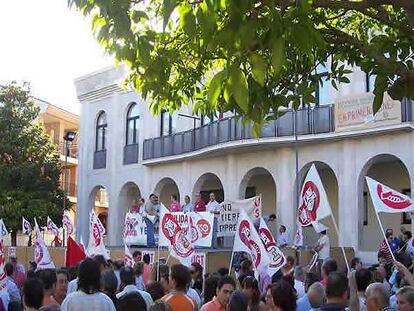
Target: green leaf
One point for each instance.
(214, 89)
(239, 89)
(138, 15)
(187, 18)
(278, 55)
(380, 87)
(259, 68)
(168, 6)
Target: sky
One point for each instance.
(48, 45)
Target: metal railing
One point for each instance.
(308, 121)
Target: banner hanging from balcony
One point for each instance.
(135, 229)
(230, 210)
(355, 113)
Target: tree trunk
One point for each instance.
(14, 238)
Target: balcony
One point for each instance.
(99, 159)
(308, 121)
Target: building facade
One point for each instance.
(131, 153)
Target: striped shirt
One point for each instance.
(386, 251)
(180, 302)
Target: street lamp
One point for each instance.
(68, 138)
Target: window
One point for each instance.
(322, 92)
(132, 125)
(101, 132)
(369, 82)
(167, 124)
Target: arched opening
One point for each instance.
(165, 188)
(330, 183)
(391, 171)
(259, 181)
(206, 184)
(99, 203)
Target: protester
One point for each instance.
(384, 247)
(405, 299)
(323, 246)
(88, 297)
(132, 301)
(328, 267)
(299, 276)
(141, 206)
(156, 290)
(196, 271)
(271, 224)
(61, 285)
(363, 278)
(283, 295)
(177, 298)
(165, 282)
(199, 205)
(303, 303)
(210, 288)
(160, 305)
(378, 298)
(214, 207)
(137, 256)
(175, 205)
(188, 206)
(250, 288)
(246, 269)
(152, 212)
(19, 273)
(138, 270)
(282, 239)
(316, 296)
(336, 292)
(238, 302)
(33, 294)
(11, 286)
(225, 287)
(49, 279)
(356, 264)
(110, 284)
(146, 269)
(128, 286)
(135, 206)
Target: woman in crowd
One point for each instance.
(139, 280)
(109, 284)
(250, 288)
(88, 297)
(210, 287)
(196, 271)
(281, 297)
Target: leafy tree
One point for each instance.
(254, 56)
(29, 163)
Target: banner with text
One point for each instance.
(135, 229)
(230, 210)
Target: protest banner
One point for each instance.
(151, 255)
(135, 229)
(200, 258)
(230, 210)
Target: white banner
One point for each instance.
(96, 244)
(248, 240)
(135, 229)
(387, 200)
(151, 255)
(200, 258)
(41, 253)
(230, 210)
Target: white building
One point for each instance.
(131, 153)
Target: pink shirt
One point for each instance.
(213, 305)
(175, 207)
(146, 273)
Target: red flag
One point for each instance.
(74, 253)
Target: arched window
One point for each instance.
(132, 125)
(101, 131)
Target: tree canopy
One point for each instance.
(253, 56)
(29, 162)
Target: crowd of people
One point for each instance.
(100, 284)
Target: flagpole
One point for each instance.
(342, 248)
(383, 233)
(231, 262)
(158, 262)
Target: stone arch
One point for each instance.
(330, 183)
(165, 188)
(390, 170)
(206, 183)
(259, 180)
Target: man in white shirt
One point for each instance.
(323, 246)
(128, 286)
(214, 207)
(282, 239)
(299, 276)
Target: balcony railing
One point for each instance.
(72, 151)
(308, 121)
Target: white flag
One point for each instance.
(298, 240)
(3, 276)
(96, 244)
(51, 227)
(67, 223)
(173, 236)
(41, 253)
(387, 200)
(26, 227)
(3, 229)
(276, 257)
(314, 204)
(128, 260)
(247, 240)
